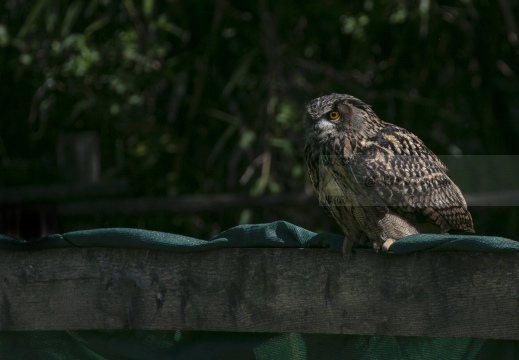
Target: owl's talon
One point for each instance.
(387, 244)
(376, 246)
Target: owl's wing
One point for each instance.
(410, 180)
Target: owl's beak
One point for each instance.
(322, 125)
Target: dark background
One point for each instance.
(206, 97)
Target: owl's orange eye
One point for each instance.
(333, 115)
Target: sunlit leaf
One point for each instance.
(164, 24)
(4, 35)
(246, 139)
(297, 170)
(141, 149)
(399, 15)
(135, 99)
(245, 216)
(284, 144)
(147, 7)
(273, 186)
(97, 25)
(26, 59)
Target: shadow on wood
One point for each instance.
(262, 290)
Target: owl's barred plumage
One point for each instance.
(378, 180)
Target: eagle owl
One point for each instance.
(378, 181)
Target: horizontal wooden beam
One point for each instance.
(62, 195)
(183, 203)
(493, 198)
(262, 290)
(54, 193)
(218, 202)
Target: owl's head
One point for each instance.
(338, 114)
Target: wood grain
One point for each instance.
(262, 290)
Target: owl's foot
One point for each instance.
(346, 249)
(387, 244)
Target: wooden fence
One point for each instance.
(262, 290)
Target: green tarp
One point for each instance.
(219, 345)
(277, 234)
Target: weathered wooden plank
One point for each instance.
(262, 290)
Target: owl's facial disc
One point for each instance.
(327, 121)
(328, 115)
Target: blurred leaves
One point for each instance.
(202, 97)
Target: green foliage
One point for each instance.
(205, 97)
